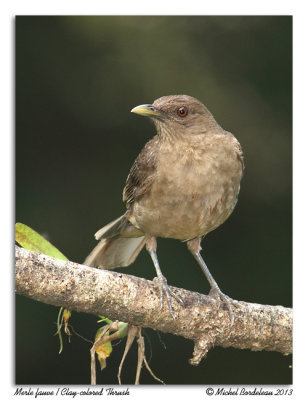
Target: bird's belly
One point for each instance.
(186, 209)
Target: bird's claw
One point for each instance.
(221, 297)
(165, 290)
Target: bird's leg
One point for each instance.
(194, 247)
(165, 290)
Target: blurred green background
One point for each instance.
(77, 79)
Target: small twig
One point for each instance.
(141, 351)
(140, 359)
(131, 334)
(92, 352)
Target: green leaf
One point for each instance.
(104, 349)
(104, 319)
(123, 329)
(31, 240)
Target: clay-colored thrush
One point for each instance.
(184, 183)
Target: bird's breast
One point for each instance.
(195, 189)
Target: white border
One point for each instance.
(31, 7)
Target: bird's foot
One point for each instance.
(221, 297)
(165, 290)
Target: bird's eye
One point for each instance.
(182, 111)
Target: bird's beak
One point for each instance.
(147, 110)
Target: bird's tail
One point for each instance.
(120, 243)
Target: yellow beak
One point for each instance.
(146, 110)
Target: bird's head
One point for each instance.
(174, 114)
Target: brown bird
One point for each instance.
(184, 184)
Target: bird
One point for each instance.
(183, 184)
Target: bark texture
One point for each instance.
(137, 301)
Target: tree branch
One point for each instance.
(137, 301)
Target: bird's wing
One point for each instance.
(140, 178)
